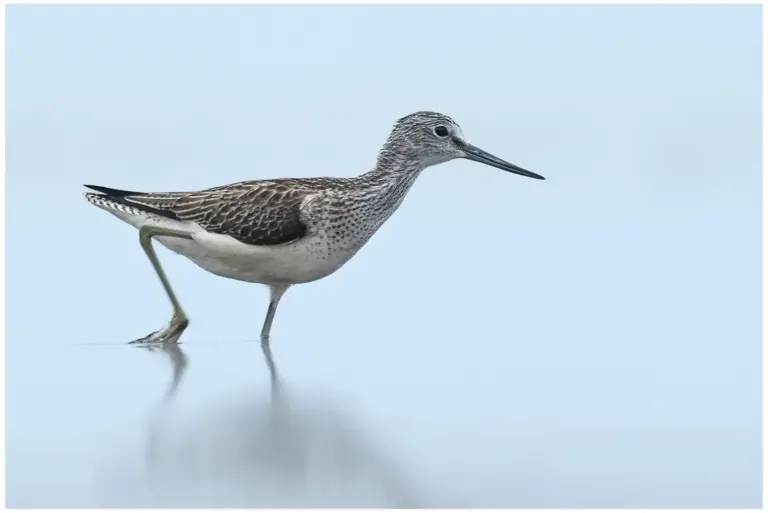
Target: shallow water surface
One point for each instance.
(223, 423)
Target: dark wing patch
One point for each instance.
(113, 193)
(261, 213)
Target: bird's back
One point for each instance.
(256, 212)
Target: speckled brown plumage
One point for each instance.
(268, 212)
(263, 212)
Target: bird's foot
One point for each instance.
(169, 335)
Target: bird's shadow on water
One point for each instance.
(252, 451)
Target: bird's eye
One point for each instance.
(441, 131)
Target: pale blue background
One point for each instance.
(590, 340)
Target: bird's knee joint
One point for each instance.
(145, 236)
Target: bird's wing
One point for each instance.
(263, 212)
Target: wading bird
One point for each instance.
(293, 230)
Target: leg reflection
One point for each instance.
(248, 450)
(274, 377)
(179, 362)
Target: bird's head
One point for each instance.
(432, 138)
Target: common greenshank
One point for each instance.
(288, 231)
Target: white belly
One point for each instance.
(309, 259)
(303, 261)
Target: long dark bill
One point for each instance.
(482, 156)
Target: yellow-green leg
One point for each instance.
(179, 321)
(275, 294)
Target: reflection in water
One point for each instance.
(258, 452)
(179, 364)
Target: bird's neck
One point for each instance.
(397, 165)
(382, 190)
(392, 177)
